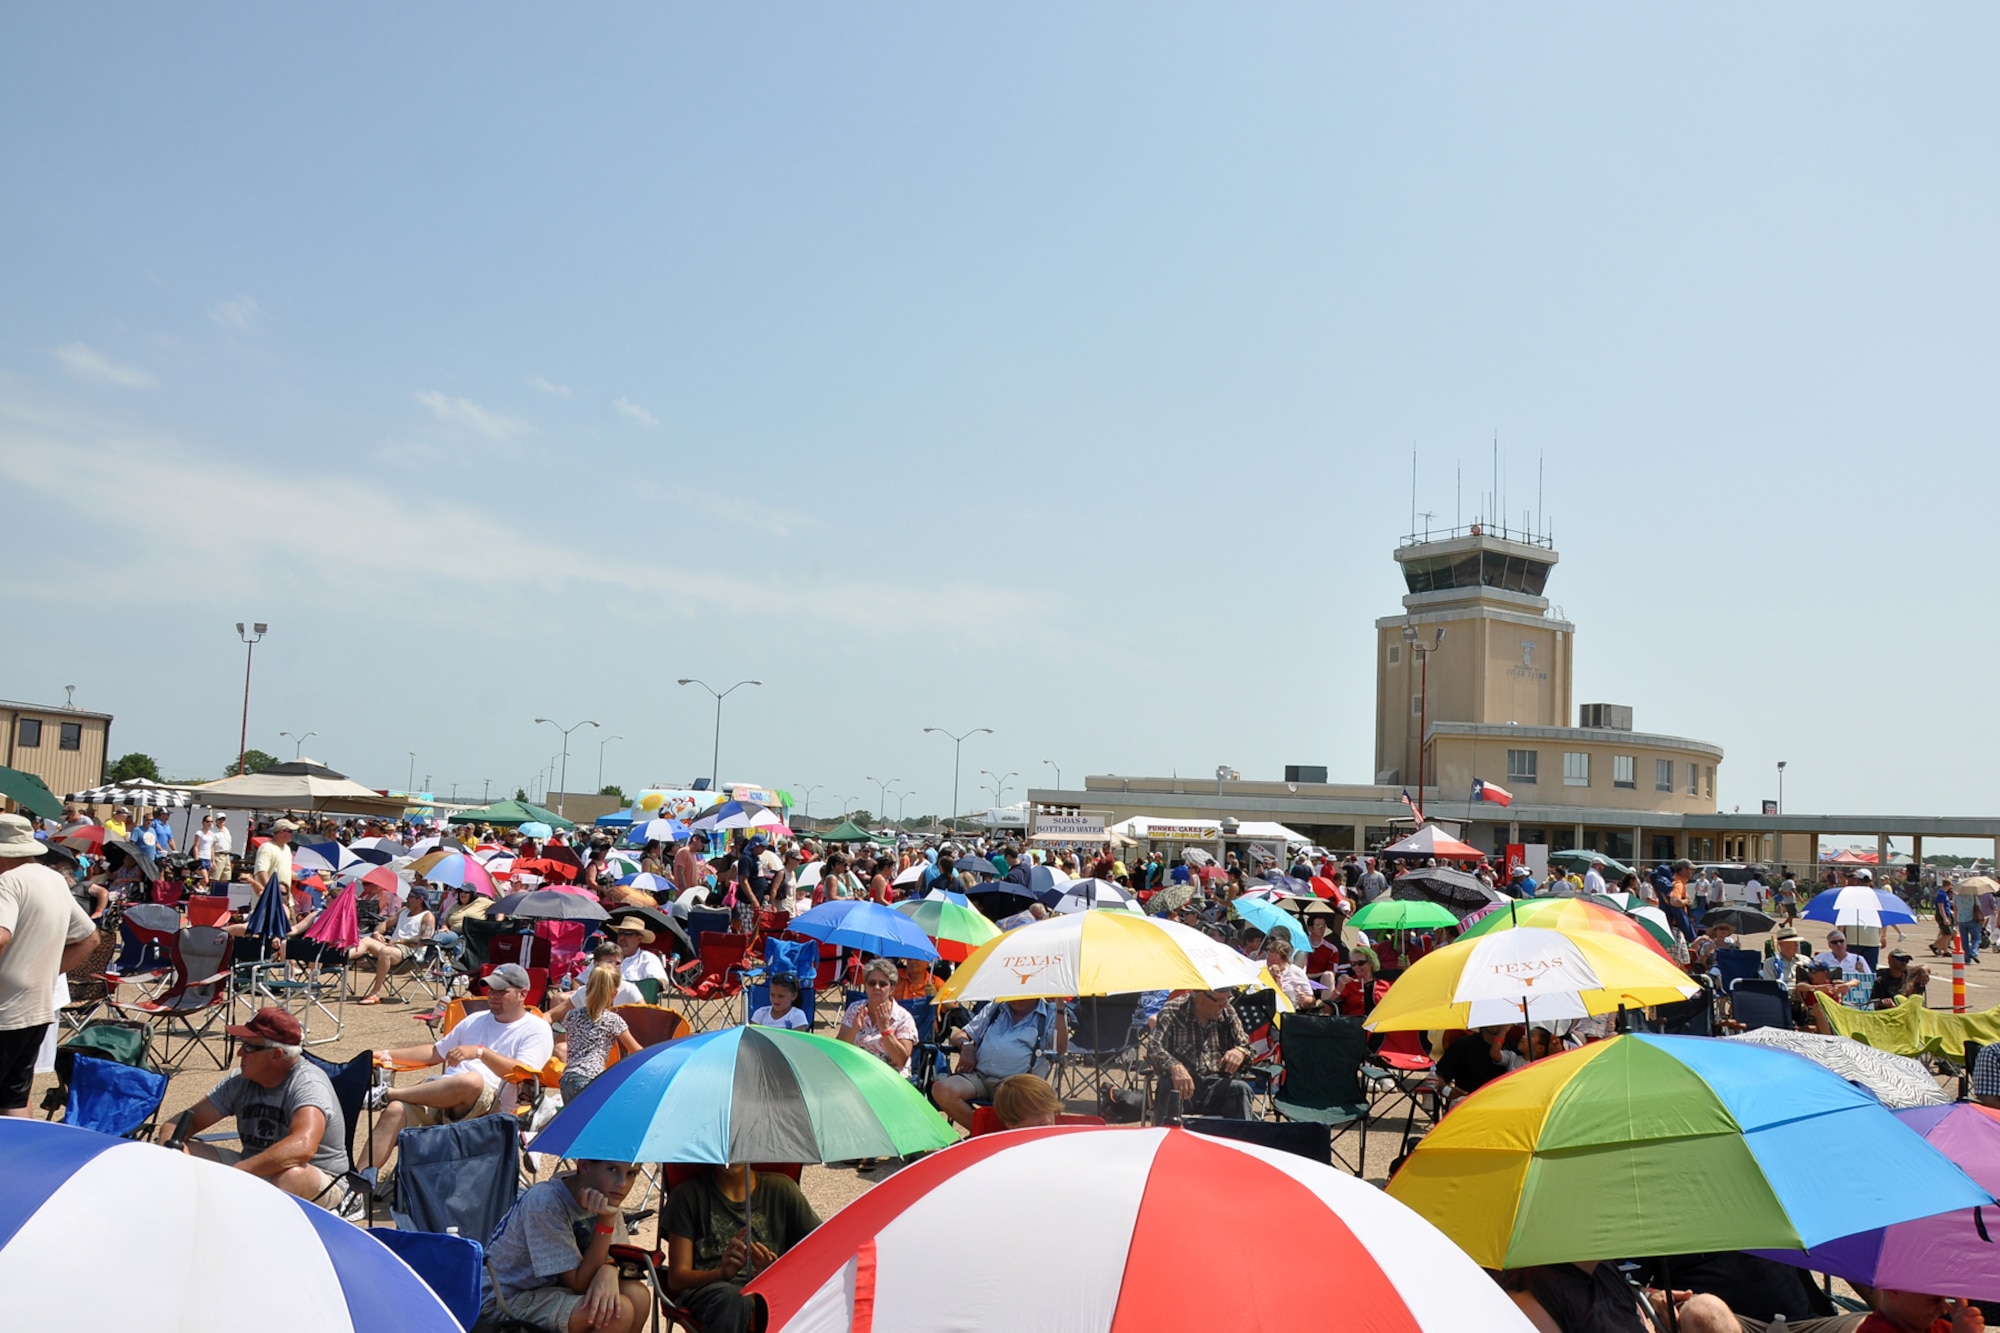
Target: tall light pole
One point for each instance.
(882, 794)
(411, 784)
(808, 811)
(902, 798)
(846, 804)
(250, 642)
(1058, 768)
(956, 742)
(600, 758)
(1423, 652)
(564, 780)
(1781, 786)
(715, 758)
(486, 791)
(999, 784)
(298, 742)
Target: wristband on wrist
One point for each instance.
(604, 1229)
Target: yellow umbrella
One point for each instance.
(1528, 972)
(1101, 953)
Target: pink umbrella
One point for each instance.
(340, 924)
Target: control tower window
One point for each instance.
(1476, 569)
(1521, 765)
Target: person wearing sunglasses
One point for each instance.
(286, 1114)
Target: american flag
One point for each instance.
(1415, 809)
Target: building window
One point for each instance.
(1395, 654)
(1576, 768)
(1694, 779)
(1416, 705)
(1623, 766)
(29, 733)
(1521, 765)
(1663, 775)
(1710, 772)
(72, 737)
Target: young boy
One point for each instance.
(782, 1011)
(551, 1255)
(723, 1228)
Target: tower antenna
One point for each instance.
(1499, 514)
(1458, 498)
(1541, 465)
(1413, 488)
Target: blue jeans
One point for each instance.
(1968, 931)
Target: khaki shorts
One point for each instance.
(973, 1085)
(545, 1307)
(489, 1097)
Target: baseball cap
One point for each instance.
(284, 826)
(1986, 1073)
(511, 975)
(1903, 954)
(270, 1024)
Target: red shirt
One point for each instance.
(1323, 959)
(1875, 1323)
(1354, 999)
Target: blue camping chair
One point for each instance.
(111, 1098)
(466, 1175)
(449, 1266)
(1734, 965)
(801, 959)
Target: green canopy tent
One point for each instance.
(30, 793)
(849, 831)
(512, 814)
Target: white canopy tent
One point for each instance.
(298, 786)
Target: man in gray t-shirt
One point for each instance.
(287, 1117)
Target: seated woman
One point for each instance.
(1291, 978)
(592, 1029)
(876, 1023)
(1363, 990)
(393, 941)
(913, 980)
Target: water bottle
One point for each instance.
(1777, 1324)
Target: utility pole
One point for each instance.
(250, 642)
(564, 791)
(956, 742)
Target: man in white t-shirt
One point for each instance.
(1593, 878)
(225, 850)
(274, 859)
(477, 1055)
(43, 933)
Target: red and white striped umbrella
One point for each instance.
(1124, 1231)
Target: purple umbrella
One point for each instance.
(1947, 1254)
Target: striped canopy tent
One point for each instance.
(136, 791)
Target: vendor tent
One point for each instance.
(512, 814)
(300, 785)
(849, 831)
(1430, 840)
(30, 793)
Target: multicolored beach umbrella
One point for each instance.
(212, 1248)
(1566, 914)
(954, 927)
(1667, 1145)
(1529, 974)
(1086, 1230)
(747, 1094)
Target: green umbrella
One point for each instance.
(1582, 860)
(30, 793)
(1390, 914)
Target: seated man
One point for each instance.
(1782, 967)
(1898, 979)
(1198, 1045)
(551, 1256)
(1008, 1037)
(477, 1055)
(287, 1116)
(1477, 1058)
(1839, 959)
(723, 1228)
(636, 963)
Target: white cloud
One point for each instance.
(537, 382)
(636, 412)
(95, 368)
(241, 313)
(495, 426)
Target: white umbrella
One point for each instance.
(1080, 895)
(910, 876)
(809, 876)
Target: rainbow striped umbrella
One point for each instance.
(1667, 1145)
(955, 928)
(1568, 914)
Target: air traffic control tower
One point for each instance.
(1475, 623)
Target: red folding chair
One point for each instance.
(538, 983)
(196, 996)
(720, 983)
(208, 909)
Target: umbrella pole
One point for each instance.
(1667, 1283)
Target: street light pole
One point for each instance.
(715, 758)
(250, 641)
(902, 799)
(1058, 768)
(298, 742)
(882, 793)
(846, 804)
(1781, 786)
(600, 758)
(564, 780)
(808, 811)
(410, 784)
(956, 742)
(1423, 652)
(999, 787)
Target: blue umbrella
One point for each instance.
(870, 927)
(1858, 905)
(650, 883)
(269, 919)
(976, 865)
(534, 828)
(657, 830)
(1036, 879)
(212, 1249)
(1269, 918)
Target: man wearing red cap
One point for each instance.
(287, 1117)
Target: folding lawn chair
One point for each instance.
(1103, 1040)
(351, 1082)
(798, 957)
(1323, 1080)
(1303, 1138)
(196, 997)
(1758, 1003)
(111, 1098)
(711, 996)
(1403, 1069)
(464, 1174)
(449, 1265)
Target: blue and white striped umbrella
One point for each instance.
(1859, 905)
(328, 856)
(647, 883)
(656, 830)
(208, 1248)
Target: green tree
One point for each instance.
(135, 765)
(520, 793)
(612, 789)
(254, 761)
(861, 817)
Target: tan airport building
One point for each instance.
(64, 747)
(1474, 683)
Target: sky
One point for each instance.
(1050, 369)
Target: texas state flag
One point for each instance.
(1483, 790)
